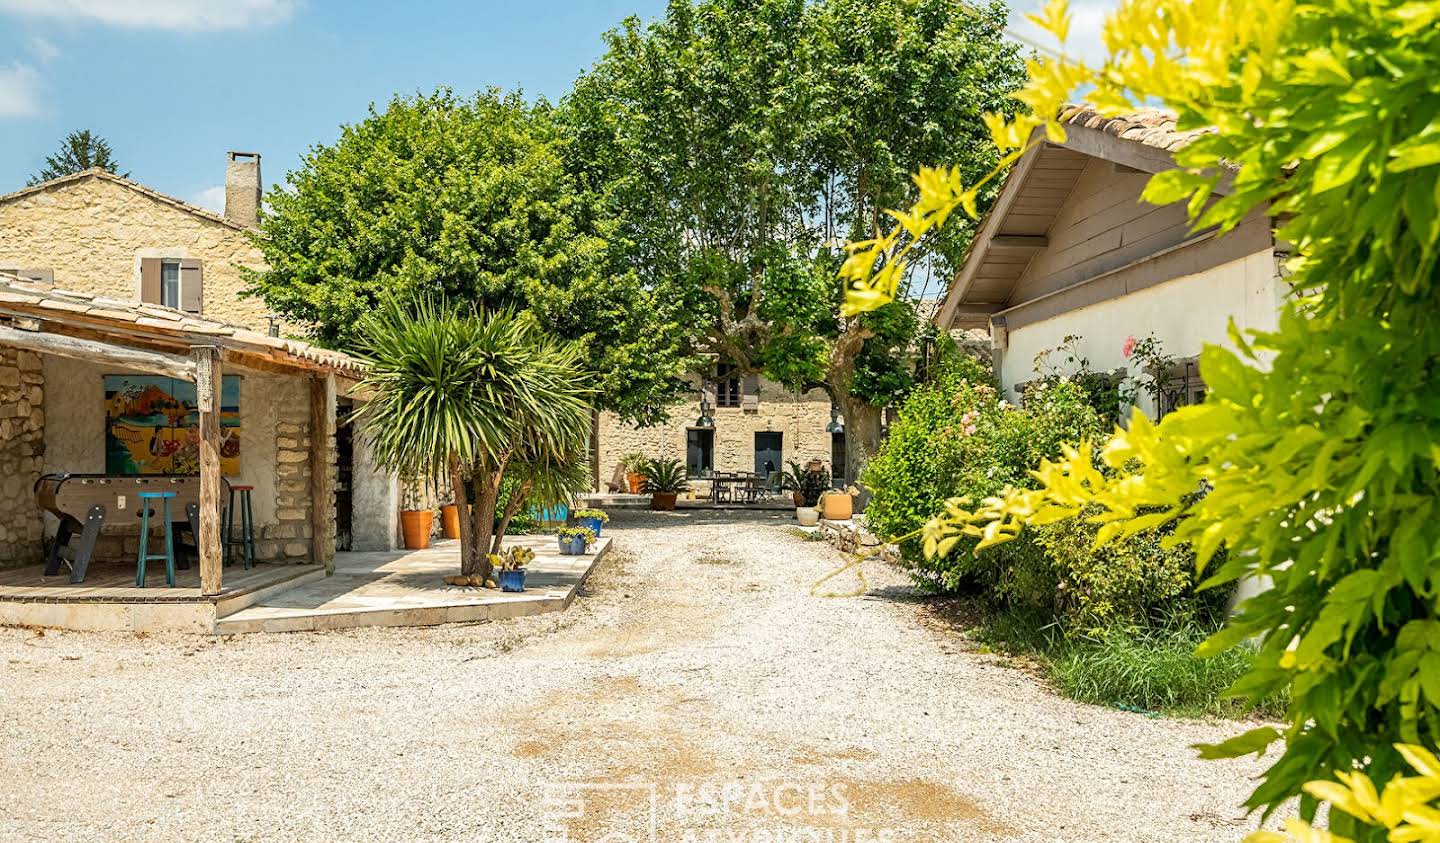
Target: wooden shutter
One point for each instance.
(750, 393)
(150, 280)
(192, 285)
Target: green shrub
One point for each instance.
(954, 437)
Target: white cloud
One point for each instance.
(43, 48)
(182, 15)
(1087, 19)
(211, 199)
(19, 91)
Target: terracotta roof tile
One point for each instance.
(1154, 127)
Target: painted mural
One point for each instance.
(152, 425)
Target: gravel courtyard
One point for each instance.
(696, 664)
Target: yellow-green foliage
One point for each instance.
(1317, 443)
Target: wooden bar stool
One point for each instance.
(145, 556)
(245, 543)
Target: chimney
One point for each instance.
(242, 188)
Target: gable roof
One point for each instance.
(106, 175)
(1037, 187)
(152, 324)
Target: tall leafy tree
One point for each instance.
(80, 151)
(740, 143)
(470, 199)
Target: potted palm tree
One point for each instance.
(454, 391)
(664, 481)
(575, 540)
(634, 465)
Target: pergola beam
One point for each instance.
(91, 351)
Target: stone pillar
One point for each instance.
(22, 452)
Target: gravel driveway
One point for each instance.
(696, 671)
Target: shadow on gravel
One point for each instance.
(695, 517)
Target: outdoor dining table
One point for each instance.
(724, 484)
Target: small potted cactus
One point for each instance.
(595, 519)
(510, 567)
(575, 540)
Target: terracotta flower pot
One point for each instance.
(450, 520)
(663, 501)
(798, 497)
(634, 481)
(839, 507)
(415, 524)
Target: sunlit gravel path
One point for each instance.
(696, 669)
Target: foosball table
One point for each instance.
(84, 503)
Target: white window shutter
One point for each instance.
(192, 285)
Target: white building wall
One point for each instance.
(1184, 313)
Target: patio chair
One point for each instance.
(617, 481)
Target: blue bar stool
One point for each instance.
(245, 542)
(145, 555)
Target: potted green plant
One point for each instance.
(634, 465)
(664, 481)
(574, 540)
(809, 484)
(510, 567)
(595, 519)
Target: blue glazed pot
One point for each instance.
(593, 523)
(511, 580)
(573, 547)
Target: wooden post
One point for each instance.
(322, 478)
(207, 398)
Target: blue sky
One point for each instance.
(173, 84)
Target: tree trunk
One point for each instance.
(487, 491)
(862, 433)
(457, 490)
(512, 506)
(595, 451)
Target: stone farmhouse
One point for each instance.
(97, 234)
(732, 423)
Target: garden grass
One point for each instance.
(1151, 670)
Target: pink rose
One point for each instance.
(1129, 347)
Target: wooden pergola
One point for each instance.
(157, 340)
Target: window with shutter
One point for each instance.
(192, 286)
(727, 386)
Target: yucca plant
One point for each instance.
(664, 477)
(455, 391)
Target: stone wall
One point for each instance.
(801, 421)
(93, 232)
(22, 450)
